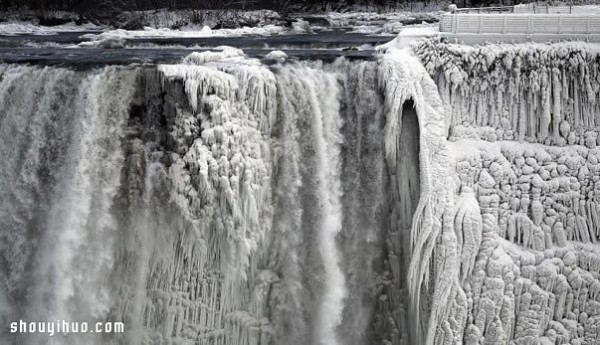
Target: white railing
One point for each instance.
(532, 8)
(520, 24)
(497, 9)
(543, 9)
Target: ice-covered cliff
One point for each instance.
(445, 196)
(523, 136)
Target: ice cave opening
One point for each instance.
(408, 164)
(409, 181)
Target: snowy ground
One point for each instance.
(361, 22)
(359, 34)
(586, 9)
(199, 24)
(409, 35)
(120, 34)
(355, 31)
(22, 28)
(379, 23)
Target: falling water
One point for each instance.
(223, 201)
(61, 133)
(316, 113)
(216, 202)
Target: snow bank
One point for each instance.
(222, 53)
(350, 18)
(190, 20)
(409, 35)
(586, 9)
(206, 31)
(21, 28)
(378, 23)
(276, 56)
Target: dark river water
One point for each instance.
(62, 48)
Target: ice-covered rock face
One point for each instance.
(536, 93)
(217, 201)
(451, 196)
(523, 135)
(274, 179)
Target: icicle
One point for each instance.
(468, 225)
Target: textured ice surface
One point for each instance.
(523, 134)
(440, 195)
(409, 35)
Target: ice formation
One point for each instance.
(276, 56)
(149, 32)
(523, 135)
(441, 194)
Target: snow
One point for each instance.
(206, 31)
(378, 23)
(586, 9)
(504, 241)
(301, 26)
(276, 56)
(106, 37)
(21, 28)
(409, 35)
(491, 78)
(350, 18)
(387, 28)
(224, 145)
(523, 154)
(194, 20)
(222, 53)
(523, 136)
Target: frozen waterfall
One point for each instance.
(230, 203)
(439, 195)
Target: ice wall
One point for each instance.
(252, 205)
(433, 254)
(217, 201)
(537, 93)
(523, 135)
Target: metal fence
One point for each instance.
(520, 24)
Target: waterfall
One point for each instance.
(226, 200)
(218, 201)
(321, 191)
(61, 135)
(364, 199)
